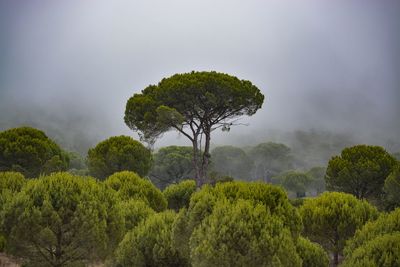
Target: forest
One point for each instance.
(181, 133)
(128, 204)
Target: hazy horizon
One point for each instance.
(69, 67)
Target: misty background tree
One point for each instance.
(194, 104)
(270, 159)
(231, 161)
(171, 165)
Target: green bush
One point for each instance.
(312, 254)
(387, 223)
(130, 186)
(178, 195)
(63, 219)
(134, 211)
(31, 152)
(242, 234)
(383, 250)
(10, 183)
(150, 244)
(332, 218)
(272, 198)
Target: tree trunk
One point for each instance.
(335, 258)
(336, 249)
(206, 155)
(199, 180)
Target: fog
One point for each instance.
(68, 67)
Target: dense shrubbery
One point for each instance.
(387, 223)
(242, 234)
(68, 220)
(150, 244)
(333, 217)
(178, 195)
(383, 250)
(130, 186)
(62, 220)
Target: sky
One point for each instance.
(68, 67)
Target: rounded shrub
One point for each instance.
(242, 234)
(150, 244)
(63, 219)
(130, 186)
(311, 254)
(383, 250)
(387, 223)
(178, 195)
(332, 218)
(135, 211)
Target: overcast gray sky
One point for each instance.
(70, 66)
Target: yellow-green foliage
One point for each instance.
(150, 244)
(31, 152)
(272, 198)
(134, 211)
(333, 217)
(130, 186)
(178, 195)
(312, 254)
(242, 234)
(387, 223)
(63, 218)
(10, 184)
(383, 250)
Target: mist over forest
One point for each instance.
(327, 69)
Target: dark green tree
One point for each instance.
(63, 220)
(194, 104)
(360, 170)
(231, 161)
(332, 218)
(171, 165)
(270, 159)
(31, 152)
(118, 153)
